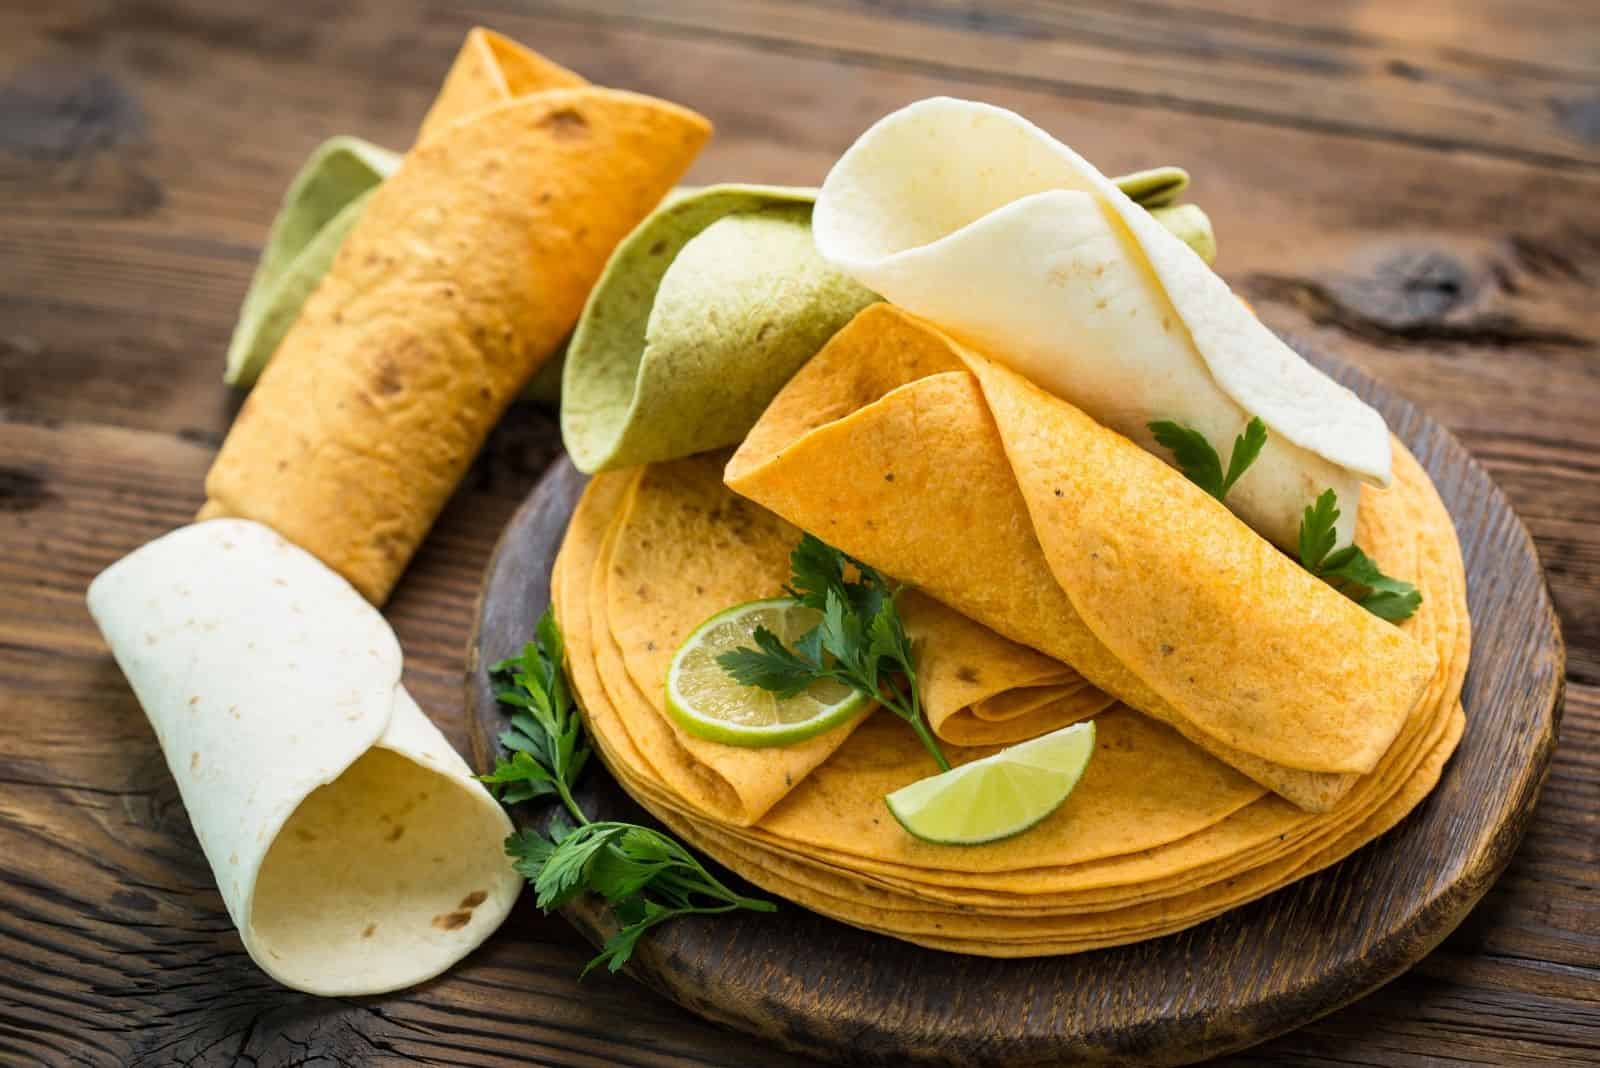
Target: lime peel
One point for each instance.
(997, 796)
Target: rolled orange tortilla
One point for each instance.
(1062, 535)
(466, 271)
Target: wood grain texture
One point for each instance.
(1251, 974)
(144, 144)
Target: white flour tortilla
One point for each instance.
(972, 217)
(352, 847)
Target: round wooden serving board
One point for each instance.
(823, 988)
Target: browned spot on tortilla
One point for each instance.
(366, 932)
(474, 899)
(388, 381)
(304, 835)
(394, 835)
(967, 673)
(452, 921)
(195, 700)
(658, 248)
(566, 124)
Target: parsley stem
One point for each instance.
(929, 742)
(891, 698)
(568, 800)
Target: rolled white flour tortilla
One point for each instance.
(974, 218)
(354, 850)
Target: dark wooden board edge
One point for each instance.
(516, 588)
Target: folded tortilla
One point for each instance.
(713, 302)
(950, 472)
(352, 847)
(320, 208)
(1157, 836)
(465, 271)
(974, 218)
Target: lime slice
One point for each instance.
(707, 701)
(997, 796)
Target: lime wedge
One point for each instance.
(707, 701)
(997, 796)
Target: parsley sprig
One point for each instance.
(1198, 460)
(1348, 570)
(645, 876)
(860, 642)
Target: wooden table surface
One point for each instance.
(1415, 184)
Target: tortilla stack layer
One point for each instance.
(1007, 510)
(467, 268)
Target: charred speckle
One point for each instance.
(565, 125)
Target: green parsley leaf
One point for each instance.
(1387, 604)
(770, 666)
(1246, 447)
(1194, 455)
(1199, 461)
(1350, 570)
(645, 876)
(1317, 535)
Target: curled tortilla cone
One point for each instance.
(971, 216)
(352, 846)
(1061, 535)
(466, 270)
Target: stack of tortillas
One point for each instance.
(1254, 725)
(351, 844)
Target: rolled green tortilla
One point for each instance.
(713, 302)
(322, 204)
(971, 217)
(703, 313)
(353, 848)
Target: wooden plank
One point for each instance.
(1246, 69)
